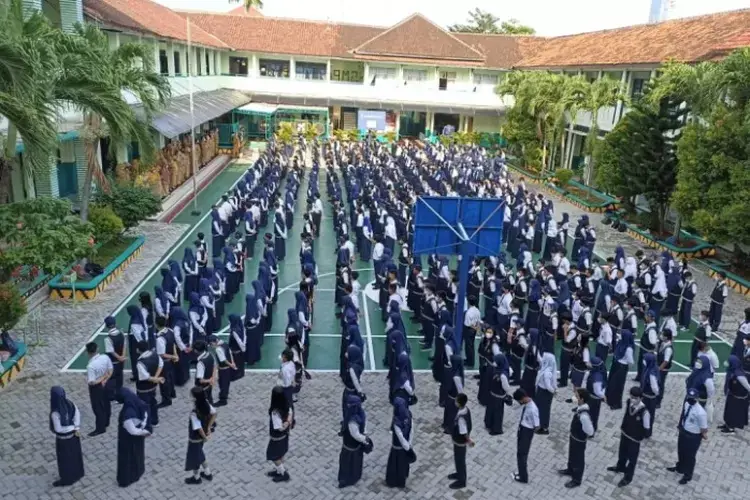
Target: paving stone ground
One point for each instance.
(237, 450)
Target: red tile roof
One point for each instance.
(686, 40)
(502, 51)
(145, 16)
(241, 11)
(417, 37)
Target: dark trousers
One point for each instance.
(714, 315)
(662, 383)
(469, 351)
(428, 331)
(149, 397)
(576, 459)
(116, 380)
(167, 388)
(564, 367)
(101, 406)
(515, 365)
(627, 456)
(687, 449)
(459, 458)
(523, 445)
(225, 377)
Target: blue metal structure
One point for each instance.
(466, 227)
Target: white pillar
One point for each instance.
(366, 77)
(328, 70)
(292, 68)
(170, 58)
(157, 49)
(624, 86)
(253, 70)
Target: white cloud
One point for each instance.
(548, 17)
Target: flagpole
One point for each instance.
(195, 211)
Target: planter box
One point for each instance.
(606, 202)
(701, 250)
(735, 282)
(87, 290)
(13, 366)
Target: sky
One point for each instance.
(548, 17)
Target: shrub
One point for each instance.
(131, 204)
(12, 306)
(563, 176)
(107, 224)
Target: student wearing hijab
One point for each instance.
(736, 390)
(147, 310)
(531, 362)
(650, 386)
(114, 348)
(453, 384)
(65, 423)
(402, 379)
(137, 333)
(201, 421)
(209, 305)
(253, 326)
(546, 386)
(217, 233)
(702, 380)
(176, 272)
(198, 317)
(618, 373)
(401, 455)
(233, 277)
(237, 345)
(217, 282)
(636, 421)
(499, 395)
(596, 386)
(162, 306)
(353, 375)
(183, 338)
(355, 442)
(304, 318)
(133, 428)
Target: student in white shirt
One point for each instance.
(98, 372)
(202, 419)
(636, 422)
(527, 425)
(693, 428)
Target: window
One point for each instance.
(591, 76)
(238, 66)
(485, 79)
(208, 66)
(415, 75)
(177, 63)
(274, 68)
(310, 71)
(197, 62)
(446, 77)
(383, 73)
(163, 62)
(637, 90)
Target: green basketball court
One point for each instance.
(325, 337)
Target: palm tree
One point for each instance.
(573, 92)
(92, 80)
(27, 63)
(602, 93)
(249, 4)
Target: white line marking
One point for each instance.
(370, 347)
(156, 268)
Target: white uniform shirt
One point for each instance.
(97, 367)
(530, 415)
(696, 418)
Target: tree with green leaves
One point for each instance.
(639, 156)
(485, 22)
(92, 79)
(713, 178)
(601, 93)
(130, 203)
(28, 62)
(42, 233)
(249, 4)
(12, 307)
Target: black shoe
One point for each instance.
(477, 377)
(272, 473)
(164, 404)
(496, 433)
(636, 379)
(193, 480)
(673, 469)
(517, 478)
(569, 400)
(453, 476)
(222, 402)
(59, 483)
(684, 480)
(457, 485)
(615, 469)
(430, 358)
(727, 430)
(207, 477)
(564, 472)
(542, 432)
(281, 478)
(623, 482)
(572, 484)
(95, 433)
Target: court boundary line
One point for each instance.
(150, 275)
(250, 370)
(368, 332)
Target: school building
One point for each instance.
(247, 68)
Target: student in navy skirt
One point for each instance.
(199, 430)
(402, 455)
(355, 443)
(65, 422)
(280, 417)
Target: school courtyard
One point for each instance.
(236, 450)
